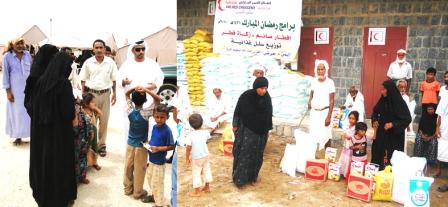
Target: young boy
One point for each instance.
(430, 89)
(161, 141)
(136, 155)
(197, 154)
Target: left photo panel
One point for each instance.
(86, 107)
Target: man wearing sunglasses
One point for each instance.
(98, 76)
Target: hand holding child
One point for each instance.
(388, 126)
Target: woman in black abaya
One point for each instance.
(252, 121)
(52, 157)
(390, 116)
(40, 63)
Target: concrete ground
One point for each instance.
(106, 185)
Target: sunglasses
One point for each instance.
(140, 49)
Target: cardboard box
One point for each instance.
(371, 169)
(330, 154)
(316, 169)
(334, 172)
(228, 148)
(360, 187)
(357, 168)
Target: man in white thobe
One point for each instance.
(138, 70)
(400, 68)
(217, 110)
(355, 102)
(321, 104)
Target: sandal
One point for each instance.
(18, 141)
(97, 167)
(443, 188)
(102, 151)
(148, 199)
(142, 195)
(85, 181)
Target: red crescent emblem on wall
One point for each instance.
(319, 36)
(219, 5)
(374, 36)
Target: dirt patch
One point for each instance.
(274, 188)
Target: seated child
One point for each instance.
(197, 156)
(136, 155)
(161, 141)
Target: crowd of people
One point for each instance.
(68, 130)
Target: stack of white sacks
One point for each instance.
(181, 72)
(234, 75)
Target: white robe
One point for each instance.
(141, 74)
(216, 107)
(357, 104)
(321, 99)
(442, 111)
(182, 103)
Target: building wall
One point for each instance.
(191, 15)
(427, 41)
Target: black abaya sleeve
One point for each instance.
(67, 102)
(236, 114)
(30, 83)
(401, 121)
(270, 111)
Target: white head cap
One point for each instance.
(318, 62)
(137, 43)
(401, 51)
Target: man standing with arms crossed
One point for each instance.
(98, 76)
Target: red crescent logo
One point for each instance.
(319, 36)
(374, 36)
(219, 5)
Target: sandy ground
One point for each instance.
(275, 188)
(106, 185)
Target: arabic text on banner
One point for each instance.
(261, 27)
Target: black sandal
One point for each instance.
(443, 188)
(102, 151)
(18, 141)
(148, 199)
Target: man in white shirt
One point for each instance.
(321, 104)
(217, 110)
(400, 68)
(138, 70)
(98, 76)
(355, 102)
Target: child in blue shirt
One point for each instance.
(161, 141)
(136, 155)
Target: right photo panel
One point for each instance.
(312, 103)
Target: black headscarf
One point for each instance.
(428, 122)
(51, 84)
(392, 107)
(255, 111)
(40, 63)
(42, 59)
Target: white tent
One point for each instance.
(161, 47)
(34, 35)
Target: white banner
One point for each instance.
(260, 27)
